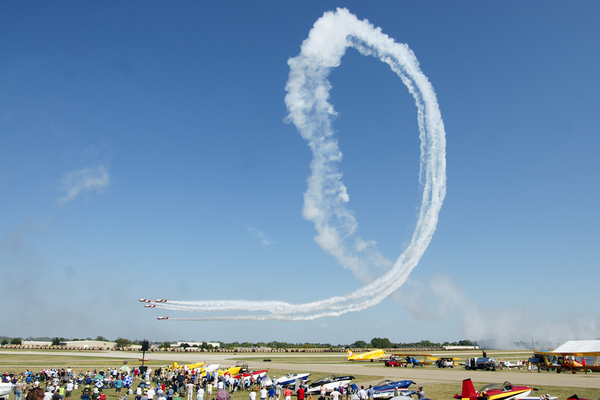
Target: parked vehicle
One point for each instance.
(485, 363)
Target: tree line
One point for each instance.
(379, 343)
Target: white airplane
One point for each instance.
(161, 300)
(162, 317)
(510, 365)
(150, 305)
(145, 301)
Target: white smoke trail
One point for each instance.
(326, 196)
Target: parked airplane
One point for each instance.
(387, 387)
(188, 366)
(290, 379)
(145, 301)
(230, 371)
(330, 383)
(162, 317)
(161, 300)
(511, 365)
(250, 374)
(493, 391)
(400, 360)
(559, 362)
(368, 356)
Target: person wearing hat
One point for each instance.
(420, 393)
(19, 386)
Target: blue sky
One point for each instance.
(145, 154)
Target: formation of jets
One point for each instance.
(150, 301)
(153, 305)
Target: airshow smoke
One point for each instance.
(326, 196)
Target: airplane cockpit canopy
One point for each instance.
(490, 386)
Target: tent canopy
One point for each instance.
(580, 348)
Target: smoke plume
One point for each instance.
(325, 199)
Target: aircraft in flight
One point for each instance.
(161, 300)
(162, 317)
(145, 301)
(150, 305)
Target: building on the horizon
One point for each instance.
(35, 343)
(215, 345)
(86, 344)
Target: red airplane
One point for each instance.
(162, 317)
(254, 374)
(493, 391)
(161, 300)
(145, 301)
(150, 305)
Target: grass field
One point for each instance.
(18, 361)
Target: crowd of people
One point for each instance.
(164, 384)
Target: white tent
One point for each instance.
(580, 347)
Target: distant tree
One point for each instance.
(101, 339)
(56, 341)
(381, 343)
(122, 343)
(360, 344)
(16, 341)
(466, 343)
(307, 345)
(4, 342)
(165, 345)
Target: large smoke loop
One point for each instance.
(326, 196)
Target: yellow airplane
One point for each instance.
(369, 356)
(190, 366)
(231, 371)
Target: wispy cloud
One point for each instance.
(263, 238)
(83, 180)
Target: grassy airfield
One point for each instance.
(19, 360)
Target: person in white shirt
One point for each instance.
(335, 395)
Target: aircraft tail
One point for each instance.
(468, 390)
(350, 354)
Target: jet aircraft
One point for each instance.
(161, 300)
(162, 317)
(150, 305)
(368, 356)
(145, 300)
